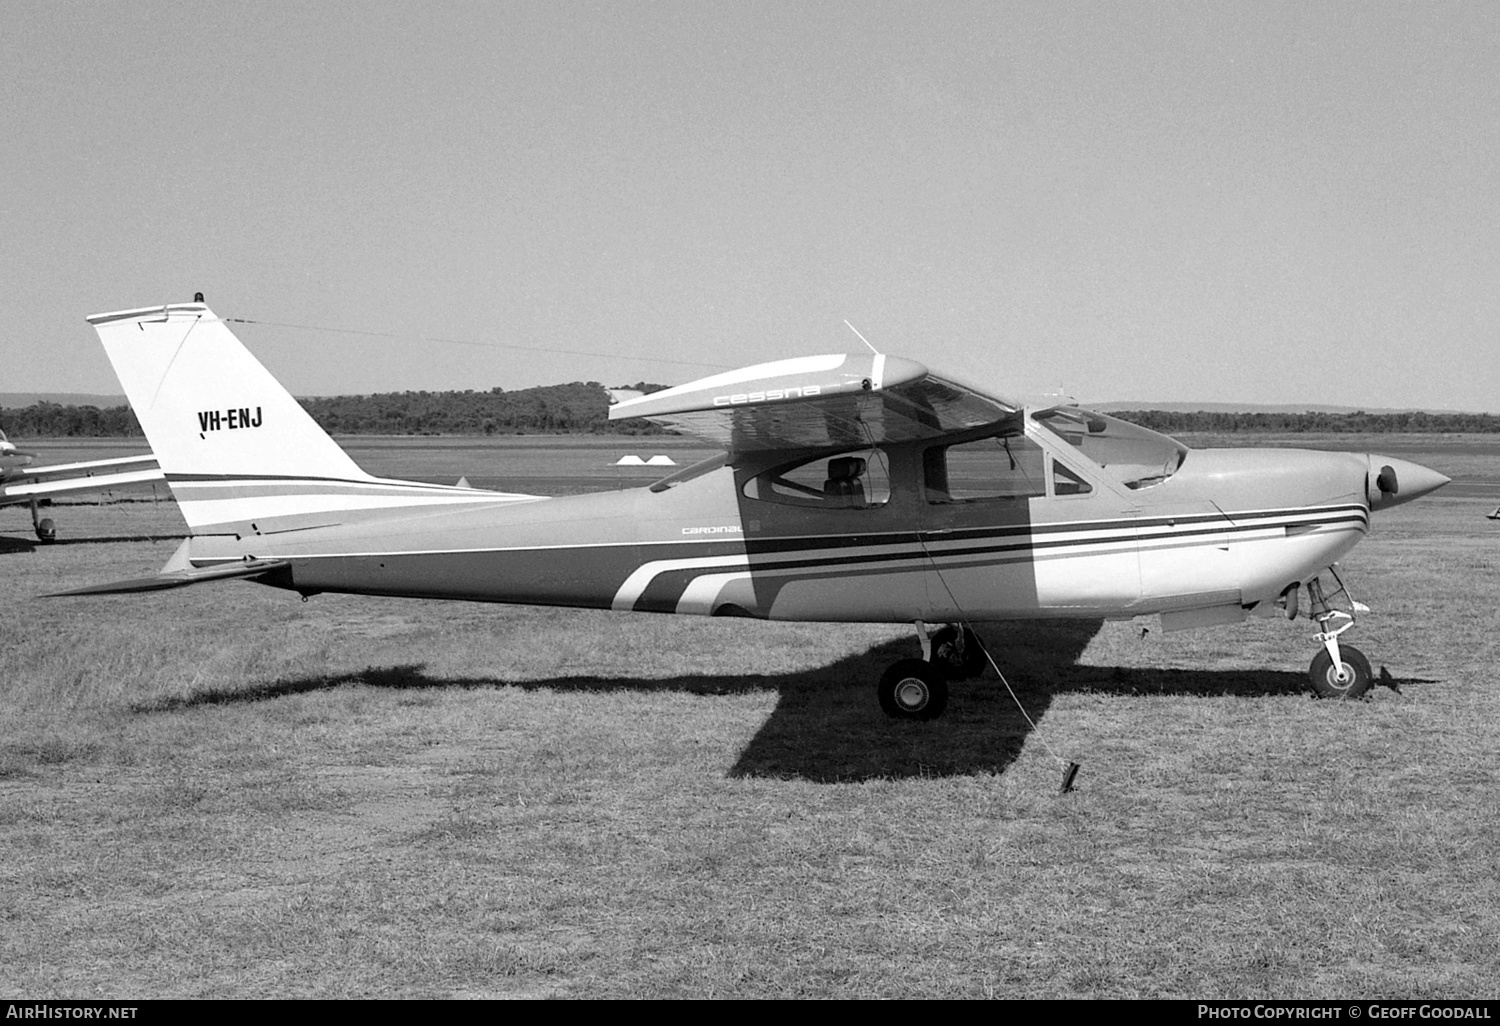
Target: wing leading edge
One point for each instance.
(814, 402)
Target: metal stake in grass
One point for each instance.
(1070, 769)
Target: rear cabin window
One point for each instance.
(852, 480)
(1007, 467)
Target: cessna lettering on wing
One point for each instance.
(768, 396)
(214, 420)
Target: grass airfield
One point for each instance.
(226, 792)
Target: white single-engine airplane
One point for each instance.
(851, 488)
(20, 482)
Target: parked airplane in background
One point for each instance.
(20, 482)
(851, 488)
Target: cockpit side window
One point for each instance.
(851, 480)
(1008, 466)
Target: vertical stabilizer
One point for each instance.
(207, 405)
(239, 453)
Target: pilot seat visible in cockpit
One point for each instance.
(844, 487)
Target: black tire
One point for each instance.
(1325, 682)
(945, 654)
(913, 690)
(46, 530)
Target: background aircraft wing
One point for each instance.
(819, 401)
(24, 483)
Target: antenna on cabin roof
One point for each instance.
(861, 337)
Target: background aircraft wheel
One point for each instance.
(46, 530)
(913, 690)
(945, 654)
(1325, 681)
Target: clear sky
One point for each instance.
(1203, 201)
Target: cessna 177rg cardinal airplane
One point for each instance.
(851, 488)
(20, 482)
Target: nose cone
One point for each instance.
(1394, 481)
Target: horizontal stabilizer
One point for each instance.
(181, 578)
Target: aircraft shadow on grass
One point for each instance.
(827, 727)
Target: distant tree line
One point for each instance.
(577, 408)
(1315, 423)
(583, 408)
(52, 420)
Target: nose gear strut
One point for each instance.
(1339, 671)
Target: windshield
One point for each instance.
(1137, 457)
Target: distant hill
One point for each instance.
(16, 400)
(1143, 404)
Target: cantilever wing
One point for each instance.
(819, 401)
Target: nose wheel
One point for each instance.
(1349, 678)
(1338, 670)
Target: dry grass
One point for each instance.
(226, 792)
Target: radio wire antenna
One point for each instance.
(860, 337)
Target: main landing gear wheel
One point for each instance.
(913, 690)
(46, 530)
(1348, 680)
(946, 657)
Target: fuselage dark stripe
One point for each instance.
(815, 552)
(1001, 550)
